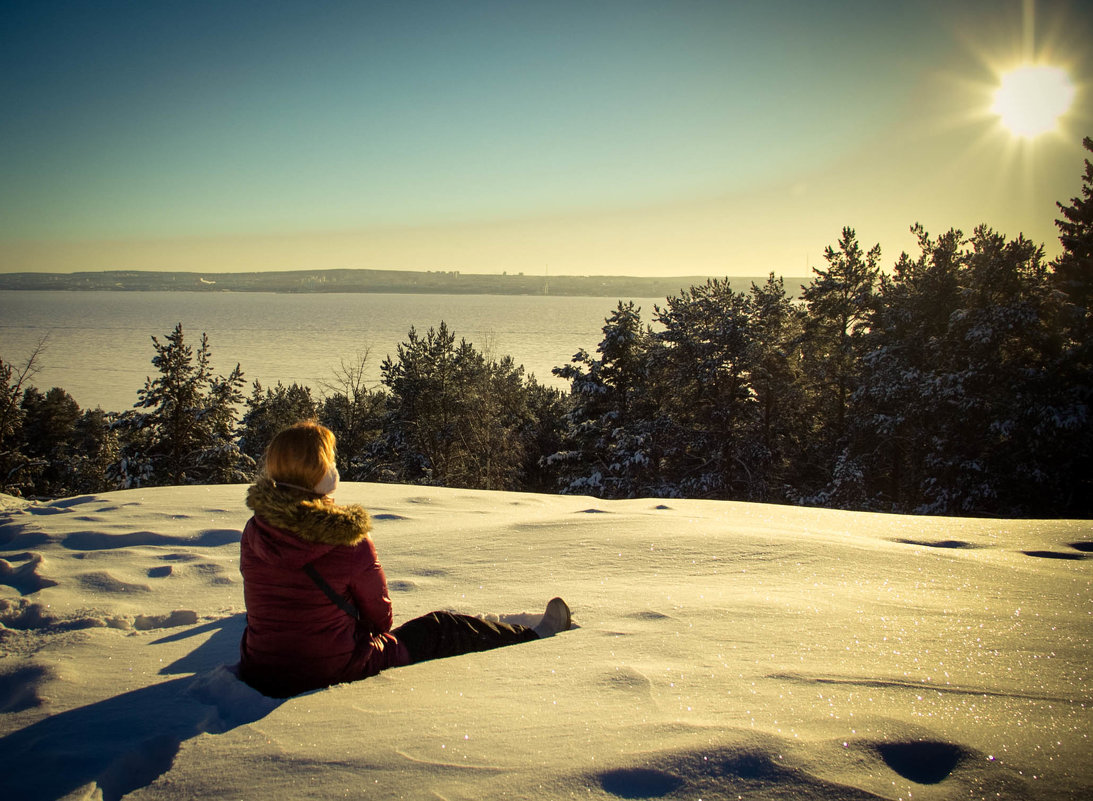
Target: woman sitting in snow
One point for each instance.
(318, 610)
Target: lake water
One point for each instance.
(99, 346)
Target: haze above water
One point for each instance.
(99, 346)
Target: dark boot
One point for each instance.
(557, 618)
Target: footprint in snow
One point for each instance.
(101, 581)
(954, 544)
(922, 761)
(1066, 555)
(24, 577)
(19, 688)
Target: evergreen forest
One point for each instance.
(956, 382)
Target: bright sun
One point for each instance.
(1030, 99)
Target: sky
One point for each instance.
(694, 137)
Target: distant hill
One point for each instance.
(378, 281)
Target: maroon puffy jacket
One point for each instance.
(297, 638)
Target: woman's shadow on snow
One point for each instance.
(219, 649)
(126, 742)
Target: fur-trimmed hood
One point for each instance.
(312, 520)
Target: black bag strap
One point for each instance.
(322, 584)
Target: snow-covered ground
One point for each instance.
(722, 651)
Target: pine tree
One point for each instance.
(187, 436)
(542, 435)
(704, 354)
(454, 417)
(840, 302)
(782, 424)
(960, 410)
(895, 409)
(420, 432)
(95, 448)
(994, 434)
(1074, 268)
(220, 460)
(49, 426)
(1073, 275)
(609, 446)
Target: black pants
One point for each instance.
(442, 634)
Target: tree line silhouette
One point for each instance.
(958, 382)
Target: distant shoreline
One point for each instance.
(376, 282)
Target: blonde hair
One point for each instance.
(300, 454)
